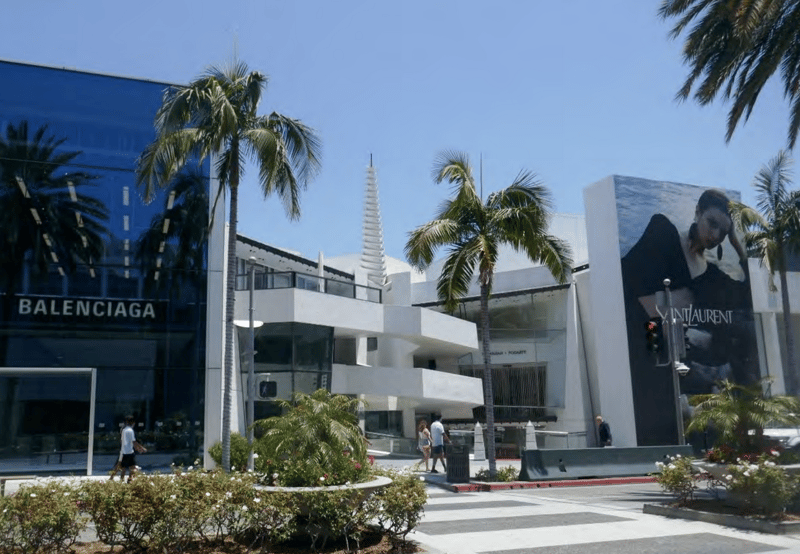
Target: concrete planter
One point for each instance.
(359, 491)
(728, 520)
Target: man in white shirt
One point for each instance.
(129, 447)
(439, 437)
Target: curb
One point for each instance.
(728, 520)
(482, 486)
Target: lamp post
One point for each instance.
(677, 367)
(251, 362)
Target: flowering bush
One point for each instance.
(764, 486)
(40, 518)
(677, 478)
(398, 508)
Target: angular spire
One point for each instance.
(373, 258)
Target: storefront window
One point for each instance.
(97, 279)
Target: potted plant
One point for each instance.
(738, 415)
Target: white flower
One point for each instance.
(208, 494)
(677, 455)
(33, 495)
(172, 496)
(66, 494)
(728, 477)
(244, 508)
(671, 466)
(255, 455)
(228, 494)
(775, 453)
(256, 500)
(659, 465)
(190, 468)
(321, 478)
(746, 473)
(274, 475)
(233, 468)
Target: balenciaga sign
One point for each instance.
(87, 308)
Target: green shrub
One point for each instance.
(677, 478)
(503, 474)
(271, 518)
(40, 518)
(764, 486)
(398, 508)
(240, 449)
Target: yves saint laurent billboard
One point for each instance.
(685, 234)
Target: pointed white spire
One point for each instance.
(373, 258)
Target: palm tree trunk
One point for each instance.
(791, 362)
(488, 391)
(230, 291)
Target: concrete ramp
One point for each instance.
(584, 463)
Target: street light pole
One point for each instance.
(251, 362)
(673, 363)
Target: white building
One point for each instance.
(558, 350)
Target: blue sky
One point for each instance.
(573, 90)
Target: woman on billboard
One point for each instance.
(711, 301)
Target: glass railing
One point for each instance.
(295, 280)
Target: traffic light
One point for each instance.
(653, 335)
(266, 389)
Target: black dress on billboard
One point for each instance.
(721, 308)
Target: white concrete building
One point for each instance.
(558, 350)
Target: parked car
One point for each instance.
(787, 436)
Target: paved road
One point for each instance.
(576, 520)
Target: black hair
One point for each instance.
(711, 198)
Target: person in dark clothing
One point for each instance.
(716, 306)
(603, 432)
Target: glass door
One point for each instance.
(46, 417)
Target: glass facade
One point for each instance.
(93, 279)
(298, 357)
(529, 349)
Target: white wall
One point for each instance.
(614, 392)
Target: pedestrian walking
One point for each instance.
(438, 438)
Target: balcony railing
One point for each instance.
(295, 280)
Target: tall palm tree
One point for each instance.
(216, 115)
(474, 231)
(734, 47)
(771, 232)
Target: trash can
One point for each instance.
(457, 463)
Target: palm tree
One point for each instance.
(772, 231)
(317, 431)
(216, 115)
(734, 47)
(179, 251)
(740, 412)
(474, 231)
